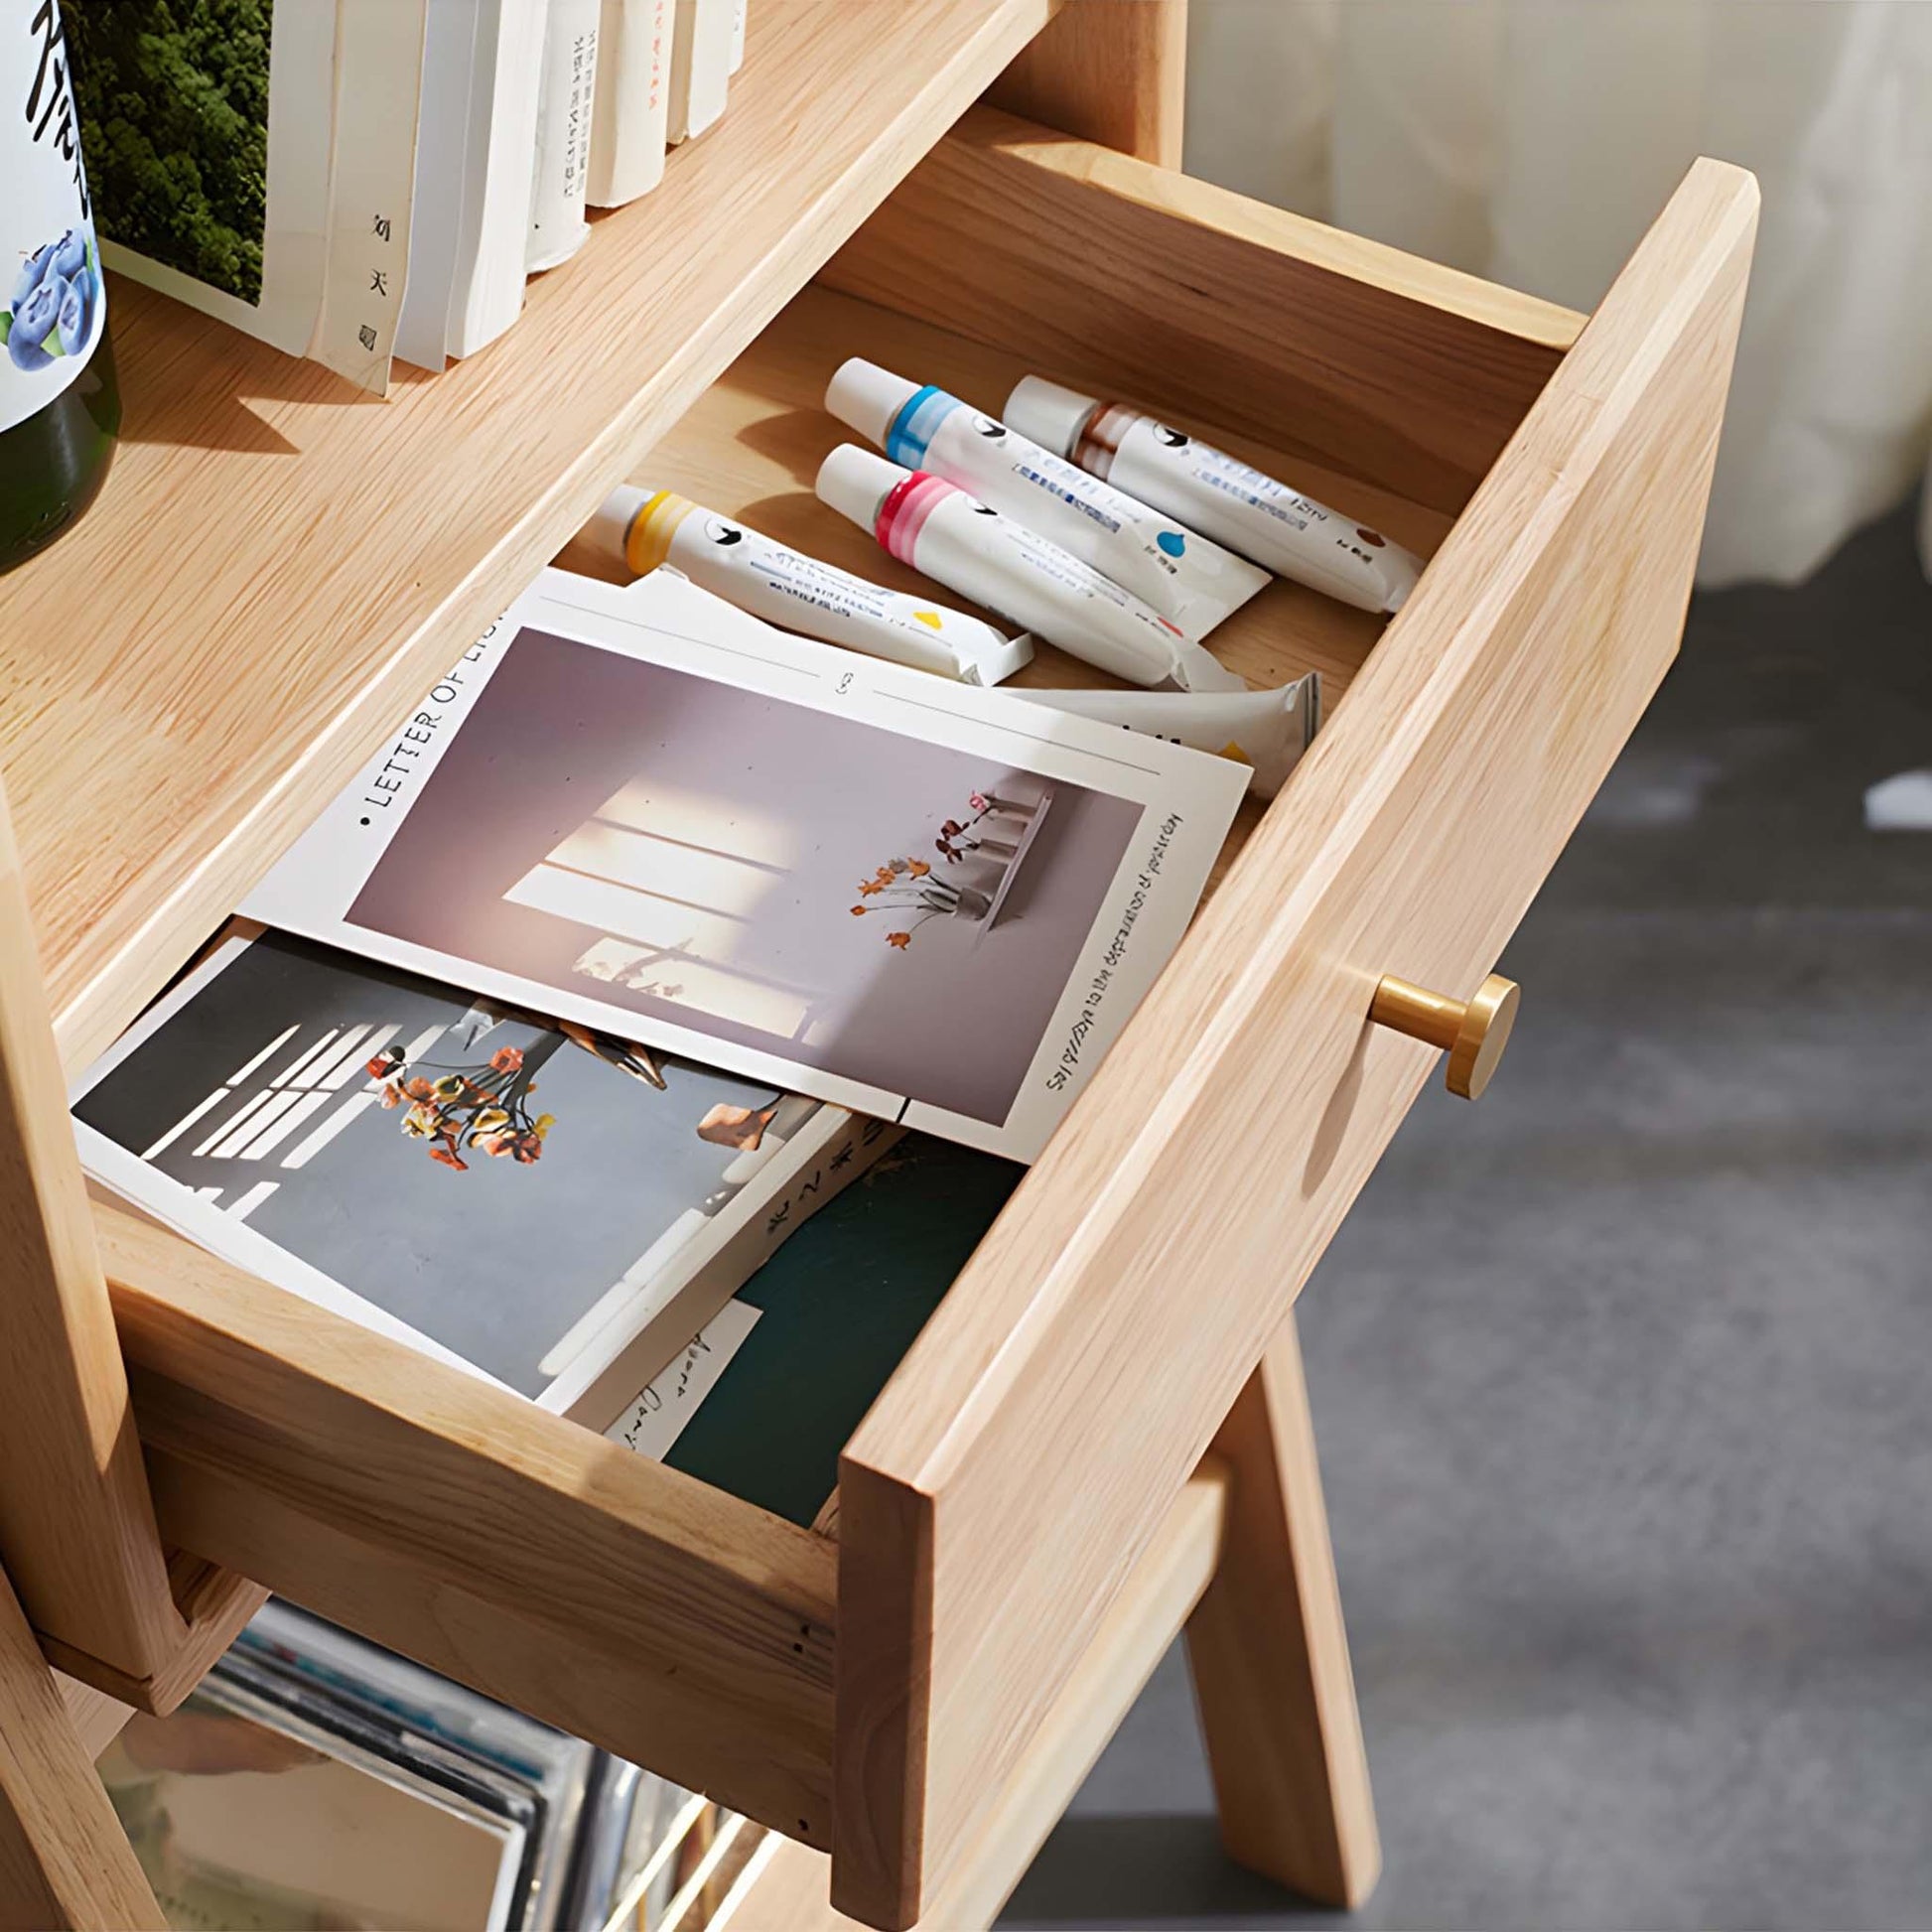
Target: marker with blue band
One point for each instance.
(915, 425)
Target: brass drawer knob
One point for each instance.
(1472, 1032)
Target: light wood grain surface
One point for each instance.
(64, 1859)
(96, 1718)
(76, 1527)
(464, 1527)
(1270, 1656)
(214, 1603)
(793, 1892)
(1003, 1483)
(291, 564)
(1113, 71)
(1213, 310)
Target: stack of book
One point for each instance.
(358, 180)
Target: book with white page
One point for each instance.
(451, 35)
(565, 129)
(500, 172)
(268, 183)
(643, 810)
(701, 66)
(634, 74)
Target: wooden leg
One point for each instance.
(1270, 1657)
(64, 1860)
(76, 1526)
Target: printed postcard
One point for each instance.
(550, 1207)
(648, 812)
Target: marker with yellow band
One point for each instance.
(645, 528)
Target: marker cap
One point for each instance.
(1048, 415)
(865, 398)
(611, 524)
(856, 482)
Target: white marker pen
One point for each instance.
(1185, 577)
(1244, 509)
(1268, 729)
(972, 549)
(798, 593)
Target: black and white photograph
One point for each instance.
(524, 1196)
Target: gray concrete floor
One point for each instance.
(1623, 1378)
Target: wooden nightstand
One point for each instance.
(1102, 1433)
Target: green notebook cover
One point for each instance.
(840, 1305)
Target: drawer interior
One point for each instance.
(908, 294)
(753, 443)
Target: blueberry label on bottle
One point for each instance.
(53, 300)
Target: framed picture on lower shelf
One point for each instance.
(551, 1208)
(313, 1780)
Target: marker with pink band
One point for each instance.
(902, 515)
(972, 549)
(1170, 568)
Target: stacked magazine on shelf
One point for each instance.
(358, 180)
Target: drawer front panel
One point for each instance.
(1012, 1473)
(485, 1538)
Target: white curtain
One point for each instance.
(1532, 142)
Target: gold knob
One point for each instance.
(1474, 1033)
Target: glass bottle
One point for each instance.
(60, 408)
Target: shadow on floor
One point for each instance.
(1153, 1870)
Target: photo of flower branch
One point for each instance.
(909, 891)
(481, 1174)
(484, 1107)
(820, 890)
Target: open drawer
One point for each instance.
(869, 1694)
